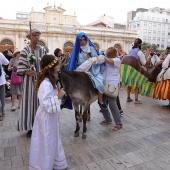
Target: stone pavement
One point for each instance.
(142, 144)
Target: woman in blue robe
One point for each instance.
(83, 50)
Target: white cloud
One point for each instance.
(86, 10)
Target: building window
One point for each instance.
(169, 40)
(134, 26)
(159, 32)
(163, 39)
(157, 19)
(158, 39)
(68, 44)
(144, 31)
(152, 18)
(149, 38)
(154, 25)
(154, 31)
(138, 25)
(159, 25)
(149, 31)
(168, 33)
(150, 25)
(154, 38)
(157, 45)
(163, 26)
(6, 42)
(145, 23)
(163, 32)
(162, 45)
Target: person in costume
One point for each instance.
(3, 61)
(83, 50)
(142, 59)
(162, 87)
(29, 57)
(46, 149)
(154, 58)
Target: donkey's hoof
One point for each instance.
(76, 134)
(83, 136)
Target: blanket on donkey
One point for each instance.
(133, 78)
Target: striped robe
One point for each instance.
(29, 97)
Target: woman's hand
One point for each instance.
(10, 67)
(30, 73)
(61, 93)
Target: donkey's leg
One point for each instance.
(88, 113)
(80, 119)
(76, 132)
(84, 122)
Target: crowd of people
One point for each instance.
(33, 75)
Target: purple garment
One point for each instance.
(133, 53)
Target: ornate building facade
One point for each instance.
(59, 31)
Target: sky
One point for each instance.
(87, 11)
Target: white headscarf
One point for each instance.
(86, 48)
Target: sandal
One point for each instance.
(13, 108)
(104, 122)
(103, 106)
(129, 100)
(166, 106)
(117, 127)
(121, 112)
(137, 102)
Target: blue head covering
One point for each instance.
(76, 50)
(101, 53)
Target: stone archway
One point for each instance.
(68, 46)
(6, 44)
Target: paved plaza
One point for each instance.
(142, 144)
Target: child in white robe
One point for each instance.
(46, 150)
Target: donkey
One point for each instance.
(79, 87)
(151, 74)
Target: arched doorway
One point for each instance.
(68, 46)
(6, 44)
(42, 43)
(97, 46)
